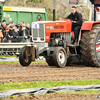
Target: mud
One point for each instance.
(43, 72)
(56, 96)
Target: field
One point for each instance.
(42, 72)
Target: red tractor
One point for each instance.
(52, 39)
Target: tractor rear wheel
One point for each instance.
(22, 58)
(60, 57)
(90, 46)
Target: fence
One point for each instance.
(7, 48)
(15, 39)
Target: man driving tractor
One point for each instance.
(76, 19)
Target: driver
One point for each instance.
(76, 19)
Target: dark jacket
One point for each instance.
(11, 32)
(76, 17)
(27, 32)
(15, 35)
(20, 31)
(5, 34)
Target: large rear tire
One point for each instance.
(60, 57)
(90, 46)
(22, 58)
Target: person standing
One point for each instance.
(21, 29)
(6, 35)
(11, 31)
(1, 35)
(15, 35)
(76, 19)
(28, 31)
(25, 34)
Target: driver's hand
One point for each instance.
(73, 21)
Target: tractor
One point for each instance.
(52, 39)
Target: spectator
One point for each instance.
(20, 29)
(10, 20)
(25, 36)
(1, 35)
(15, 35)
(28, 31)
(11, 31)
(7, 25)
(3, 25)
(6, 35)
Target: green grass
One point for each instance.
(9, 62)
(86, 92)
(7, 56)
(15, 62)
(47, 84)
(50, 84)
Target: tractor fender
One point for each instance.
(87, 26)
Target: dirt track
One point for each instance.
(57, 96)
(43, 72)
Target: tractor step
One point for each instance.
(72, 49)
(71, 45)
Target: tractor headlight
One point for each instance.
(47, 27)
(51, 27)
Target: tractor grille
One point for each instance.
(35, 31)
(41, 30)
(38, 32)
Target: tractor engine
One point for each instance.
(58, 39)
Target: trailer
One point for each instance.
(26, 14)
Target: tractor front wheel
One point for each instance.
(22, 58)
(60, 57)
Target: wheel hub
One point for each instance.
(61, 57)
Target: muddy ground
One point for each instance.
(43, 72)
(57, 96)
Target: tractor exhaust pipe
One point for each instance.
(53, 15)
(54, 7)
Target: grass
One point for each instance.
(86, 92)
(50, 84)
(47, 84)
(7, 56)
(14, 62)
(9, 62)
